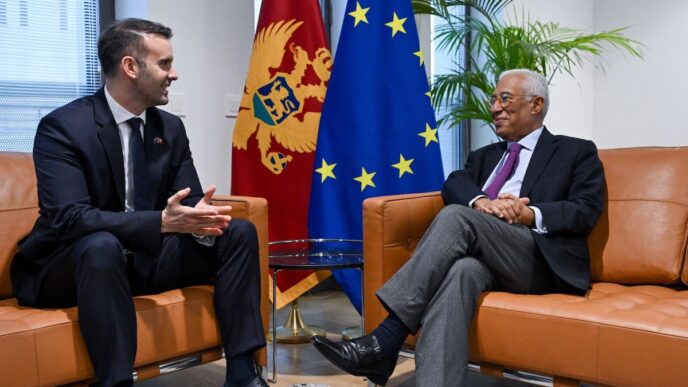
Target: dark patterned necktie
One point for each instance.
(492, 191)
(137, 154)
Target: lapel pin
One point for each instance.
(158, 140)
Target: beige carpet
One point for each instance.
(301, 365)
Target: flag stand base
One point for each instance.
(295, 330)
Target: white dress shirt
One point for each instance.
(515, 181)
(121, 116)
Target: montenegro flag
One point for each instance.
(277, 126)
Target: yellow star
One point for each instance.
(396, 25)
(326, 170)
(366, 179)
(429, 135)
(429, 94)
(404, 166)
(419, 54)
(359, 14)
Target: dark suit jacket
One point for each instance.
(80, 172)
(565, 181)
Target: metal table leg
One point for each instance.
(354, 332)
(274, 327)
(362, 303)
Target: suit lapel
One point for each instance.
(155, 146)
(492, 157)
(109, 138)
(544, 150)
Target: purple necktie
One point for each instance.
(492, 191)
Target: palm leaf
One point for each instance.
(547, 48)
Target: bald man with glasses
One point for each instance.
(515, 220)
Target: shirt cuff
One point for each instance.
(470, 204)
(540, 227)
(205, 240)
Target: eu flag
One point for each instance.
(377, 134)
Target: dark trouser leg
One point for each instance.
(234, 262)
(92, 274)
(508, 251)
(237, 289)
(442, 351)
(436, 285)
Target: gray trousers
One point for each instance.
(463, 254)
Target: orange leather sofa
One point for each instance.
(630, 329)
(45, 348)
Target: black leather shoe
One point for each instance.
(359, 357)
(257, 382)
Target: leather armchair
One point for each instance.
(44, 347)
(630, 329)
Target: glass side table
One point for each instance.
(311, 254)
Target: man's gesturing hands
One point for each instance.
(507, 207)
(203, 219)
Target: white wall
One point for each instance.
(131, 8)
(212, 44)
(634, 103)
(642, 102)
(337, 12)
(631, 102)
(571, 98)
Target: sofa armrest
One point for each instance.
(254, 210)
(392, 227)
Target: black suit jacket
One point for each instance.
(80, 171)
(565, 181)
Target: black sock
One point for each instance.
(391, 335)
(240, 370)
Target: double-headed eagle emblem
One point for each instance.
(271, 104)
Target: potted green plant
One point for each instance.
(494, 46)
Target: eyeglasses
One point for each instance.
(505, 99)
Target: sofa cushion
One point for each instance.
(14, 225)
(17, 357)
(18, 209)
(47, 344)
(641, 235)
(596, 337)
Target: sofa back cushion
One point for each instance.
(641, 235)
(18, 209)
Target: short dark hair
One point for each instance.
(125, 38)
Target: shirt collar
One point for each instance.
(530, 140)
(120, 113)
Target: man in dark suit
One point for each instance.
(516, 220)
(122, 213)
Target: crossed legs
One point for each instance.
(463, 254)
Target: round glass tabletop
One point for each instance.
(316, 254)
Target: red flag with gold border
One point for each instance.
(276, 130)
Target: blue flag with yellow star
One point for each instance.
(377, 131)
